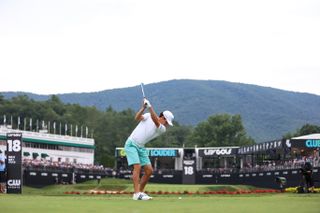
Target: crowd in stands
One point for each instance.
(219, 170)
(266, 166)
(296, 163)
(247, 167)
(48, 165)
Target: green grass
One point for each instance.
(105, 184)
(126, 185)
(52, 199)
(106, 203)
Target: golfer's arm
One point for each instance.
(154, 117)
(139, 116)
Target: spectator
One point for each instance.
(2, 172)
(306, 171)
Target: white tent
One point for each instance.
(315, 136)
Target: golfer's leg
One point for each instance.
(145, 178)
(136, 177)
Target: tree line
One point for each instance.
(111, 128)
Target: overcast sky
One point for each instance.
(63, 46)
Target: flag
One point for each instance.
(54, 127)
(18, 122)
(66, 129)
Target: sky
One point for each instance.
(64, 46)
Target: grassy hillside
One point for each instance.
(267, 113)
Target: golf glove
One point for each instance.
(146, 103)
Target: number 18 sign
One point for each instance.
(14, 148)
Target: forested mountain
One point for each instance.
(267, 113)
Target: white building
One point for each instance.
(61, 148)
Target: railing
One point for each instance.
(47, 136)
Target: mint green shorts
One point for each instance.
(136, 154)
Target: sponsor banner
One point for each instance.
(189, 171)
(305, 143)
(174, 177)
(163, 153)
(167, 176)
(217, 151)
(44, 178)
(261, 179)
(154, 153)
(14, 168)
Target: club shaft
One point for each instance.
(142, 90)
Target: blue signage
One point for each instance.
(312, 143)
(154, 153)
(162, 153)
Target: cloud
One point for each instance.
(83, 46)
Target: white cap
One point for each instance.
(168, 116)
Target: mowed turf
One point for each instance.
(107, 203)
(53, 199)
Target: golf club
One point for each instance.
(142, 90)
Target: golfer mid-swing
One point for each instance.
(150, 126)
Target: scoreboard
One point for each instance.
(14, 163)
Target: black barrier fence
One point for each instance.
(265, 179)
(38, 178)
(174, 177)
(259, 179)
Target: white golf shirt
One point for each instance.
(146, 131)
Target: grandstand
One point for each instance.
(52, 147)
(259, 164)
(54, 158)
